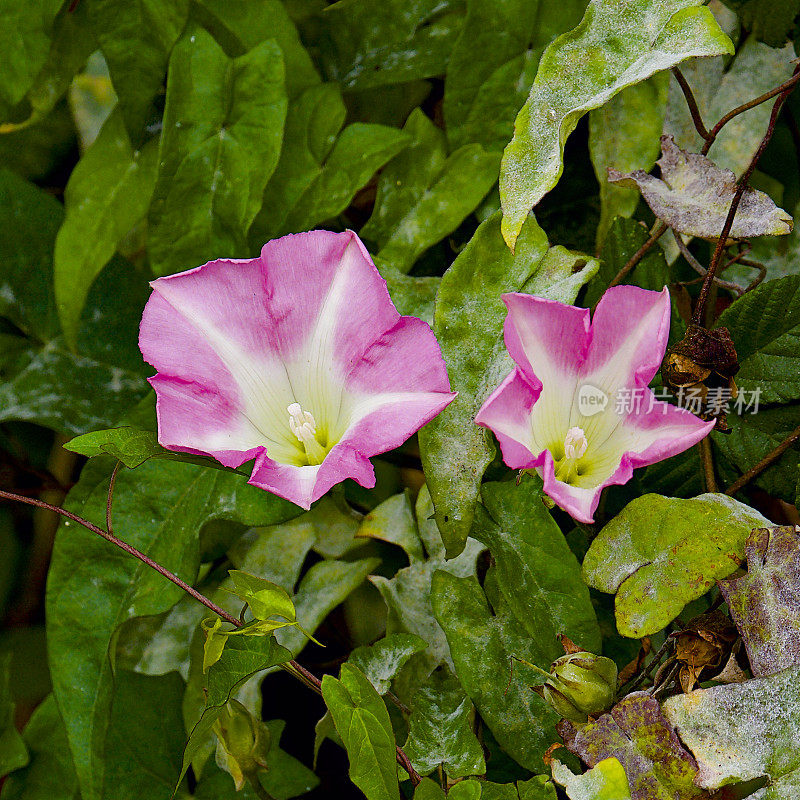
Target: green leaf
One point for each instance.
(623, 239)
(318, 174)
(50, 774)
(493, 64)
(313, 122)
(363, 724)
(743, 731)
(769, 20)
(694, 196)
(765, 327)
(322, 588)
(639, 735)
(132, 446)
(136, 40)
(240, 25)
(220, 143)
(612, 48)
(755, 435)
(145, 736)
(469, 326)
(720, 84)
(72, 393)
(25, 43)
(265, 598)
(395, 41)
(483, 647)
(423, 195)
(440, 729)
(381, 661)
(624, 134)
(360, 151)
(765, 613)
(29, 222)
(538, 574)
(408, 593)
(242, 658)
(412, 296)
(393, 521)
(71, 45)
(284, 778)
(108, 192)
(94, 587)
(660, 553)
(13, 752)
(604, 781)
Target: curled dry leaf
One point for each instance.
(694, 195)
(704, 643)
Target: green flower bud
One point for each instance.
(242, 742)
(580, 684)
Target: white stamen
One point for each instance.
(302, 423)
(575, 444)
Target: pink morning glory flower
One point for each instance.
(297, 359)
(577, 408)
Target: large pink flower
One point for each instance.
(297, 359)
(577, 408)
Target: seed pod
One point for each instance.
(580, 684)
(242, 742)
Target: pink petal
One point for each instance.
(304, 485)
(548, 340)
(629, 335)
(507, 413)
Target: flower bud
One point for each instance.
(242, 742)
(580, 684)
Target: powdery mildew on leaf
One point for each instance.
(617, 44)
(638, 734)
(661, 553)
(694, 196)
(743, 731)
(765, 603)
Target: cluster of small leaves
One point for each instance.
(142, 139)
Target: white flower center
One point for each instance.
(575, 446)
(303, 425)
(575, 443)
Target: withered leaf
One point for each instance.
(704, 642)
(637, 733)
(765, 603)
(743, 731)
(694, 195)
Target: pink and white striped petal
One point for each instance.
(240, 344)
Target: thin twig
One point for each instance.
(764, 463)
(639, 254)
(637, 679)
(691, 102)
(697, 316)
(129, 549)
(762, 272)
(786, 86)
(110, 497)
(704, 445)
(700, 269)
(293, 667)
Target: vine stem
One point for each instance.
(292, 667)
(764, 463)
(783, 93)
(660, 230)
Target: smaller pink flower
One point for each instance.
(297, 359)
(577, 407)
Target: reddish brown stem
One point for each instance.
(639, 254)
(698, 315)
(691, 103)
(770, 458)
(304, 675)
